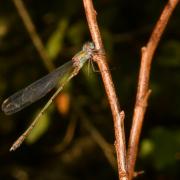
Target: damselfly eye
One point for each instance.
(89, 46)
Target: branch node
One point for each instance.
(142, 102)
(122, 115)
(143, 49)
(123, 174)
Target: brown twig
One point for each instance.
(33, 33)
(109, 87)
(143, 84)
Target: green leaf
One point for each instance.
(55, 42)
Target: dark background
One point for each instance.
(125, 27)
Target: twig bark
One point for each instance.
(143, 84)
(118, 117)
(33, 33)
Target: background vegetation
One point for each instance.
(52, 153)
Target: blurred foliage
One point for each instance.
(40, 128)
(54, 44)
(161, 149)
(125, 27)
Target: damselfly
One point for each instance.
(41, 87)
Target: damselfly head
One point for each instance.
(89, 47)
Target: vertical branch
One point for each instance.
(143, 84)
(33, 33)
(118, 116)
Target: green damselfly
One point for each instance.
(41, 87)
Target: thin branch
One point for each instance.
(69, 135)
(107, 149)
(109, 87)
(143, 84)
(33, 33)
